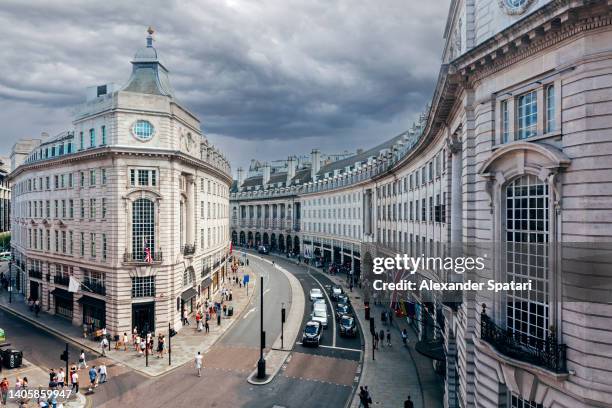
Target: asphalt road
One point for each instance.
(245, 332)
(318, 377)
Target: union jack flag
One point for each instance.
(148, 257)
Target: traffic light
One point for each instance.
(283, 315)
(64, 355)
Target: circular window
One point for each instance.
(515, 6)
(143, 129)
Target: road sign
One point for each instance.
(245, 279)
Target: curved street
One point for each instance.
(327, 373)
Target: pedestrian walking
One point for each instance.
(160, 346)
(4, 389)
(364, 398)
(375, 340)
(61, 379)
(198, 363)
(93, 376)
(104, 345)
(52, 379)
(206, 327)
(103, 373)
(381, 336)
(125, 341)
(185, 318)
(82, 362)
(408, 403)
(142, 347)
(405, 337)
(388, 337)
(74, 379)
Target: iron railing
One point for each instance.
(93, 286)
(139, 257)
(61, 280)
(189, 249)
(546, 353)
(35, 274)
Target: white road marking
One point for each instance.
(331, 305)
(251, 310)
(266, 291)
(333, 347)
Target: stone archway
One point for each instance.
(281, 243)
(242, 238)
(296, 244)
(266, 240)
(250, 238)
(257, 238)
(234, 238)
(273, 242)
(289, 244)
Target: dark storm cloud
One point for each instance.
(340, 71)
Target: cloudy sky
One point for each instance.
(266, 78)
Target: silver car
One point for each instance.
(315, 293)
(320, 316)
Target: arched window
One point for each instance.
(527, 237)
(143, 228)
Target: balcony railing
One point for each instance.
(93, 286)
(140, 258)
(35, 274)
(547, 353)
(61, 280)
(188, 249)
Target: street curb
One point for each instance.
(49, 329)
(97, 352)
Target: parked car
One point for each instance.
(263, 250)
(341, 310)
(335, 292)
(347, 326)
(312, 333)
(320, 316)
(315, 293)
(342, 298)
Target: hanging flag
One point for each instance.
(231, 247)
(73, 285)
(148, 257)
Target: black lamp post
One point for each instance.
(261, 364)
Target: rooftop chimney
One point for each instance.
(240, 176)
(291, 167)
(266, 174)
(315, 157)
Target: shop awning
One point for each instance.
(93, 302)
(433, 349)
(189, 294)
(62, 293)
(206, 282)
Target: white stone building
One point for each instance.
(132, 202)
(512, 159)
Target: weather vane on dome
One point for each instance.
(150, 36)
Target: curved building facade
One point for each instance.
(511, 159)
(123, 220)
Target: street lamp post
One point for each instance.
(283, 325)
(10, 286)
(169, 344)
(261, 364)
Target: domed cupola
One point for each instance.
(149, 76)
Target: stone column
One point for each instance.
(190, 223)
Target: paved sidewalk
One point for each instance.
(185, 344)
(396, 371)
(38, 379)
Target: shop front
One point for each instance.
(34, 290)
(143, 317)
(63, 303)
(94, 311)
(215, 281)
(205, 288)
(188, 298)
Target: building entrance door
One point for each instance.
(34, 290)
(143, 317)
